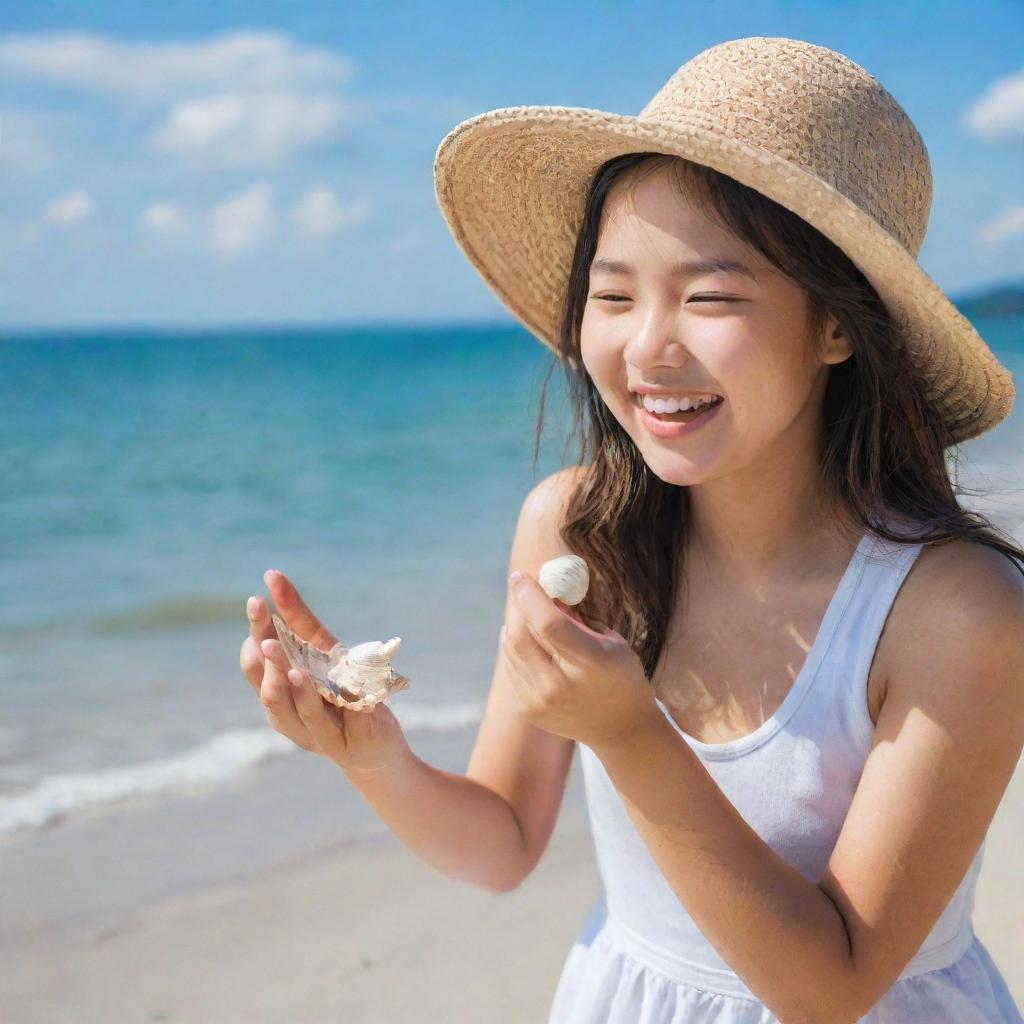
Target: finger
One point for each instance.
(522, 633)
(251, 661)
(260, 627)
(528, 656)
(598, 629)
(524, 678)
(295, 612)
(276, 697)
(312, 710)
(274, 653)
(569, 610)
(554, 631)
(277, 657)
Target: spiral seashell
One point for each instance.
(355, 679)
(566, 578)
(373, 652)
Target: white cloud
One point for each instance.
(69, 209)
(248, 128)
(235, 99)
(243, 60)
(999, 114)
(319, 214)
(163, 218)
(1007, 224)
(244, 98)
(242, 220)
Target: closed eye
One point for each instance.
(695, 298)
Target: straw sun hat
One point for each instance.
(802, 124)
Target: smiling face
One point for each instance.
(655, 318)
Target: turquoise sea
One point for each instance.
(150, 477)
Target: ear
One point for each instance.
(834, 345)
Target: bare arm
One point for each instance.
(948, 739)
(462, 828)
(490, 826)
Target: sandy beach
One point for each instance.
(371, 935)
(349, 931)
(355, 931)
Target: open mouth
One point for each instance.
(683, 416)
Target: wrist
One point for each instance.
(392, 766)
(635, 733)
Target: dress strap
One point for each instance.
(886, 566)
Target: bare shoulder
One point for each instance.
(947, 568)
(965, 572)
(546, 502)
(957, 592)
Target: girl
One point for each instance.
(808, 700)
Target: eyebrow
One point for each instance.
(715, 264)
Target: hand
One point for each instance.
(571, 680)
(356, 741)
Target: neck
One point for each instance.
(767, 524)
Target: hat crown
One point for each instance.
(815, 108)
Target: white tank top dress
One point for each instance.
(640, 958)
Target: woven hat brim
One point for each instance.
(511, 186)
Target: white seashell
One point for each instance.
(373, 652)
(566, 578)
(355, 679)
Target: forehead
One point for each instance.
(656, 214)
(640, 189)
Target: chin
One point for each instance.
(675, 469)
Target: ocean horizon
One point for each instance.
(153, 475)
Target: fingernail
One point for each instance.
(515, 576)
(251, 606)
(295, 677)
(265, 649)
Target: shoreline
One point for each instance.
(257, 904)
(363, 931)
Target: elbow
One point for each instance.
(492, 887)
(501, 890)
(840, 1004)
(512, 880)
(831, 1008)
(488, 882)
(830, 1014)
(505, 885)
(514, 874)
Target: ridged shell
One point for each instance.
(355, 679)
(373, 652)
(566, 578)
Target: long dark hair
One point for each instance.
(884, 450)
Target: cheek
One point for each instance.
(766, 397)
(604, 364)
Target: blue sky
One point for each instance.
(189, 163)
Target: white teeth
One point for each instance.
(670, 405)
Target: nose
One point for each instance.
(655, 343)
